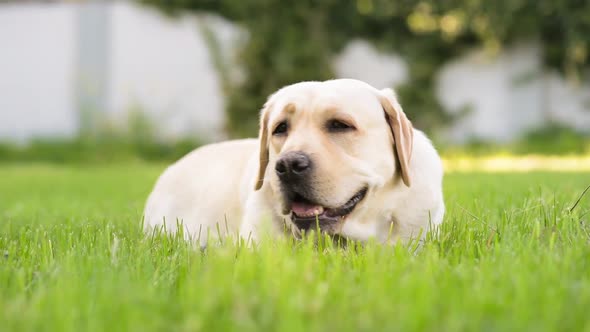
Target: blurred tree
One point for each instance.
(295, 40)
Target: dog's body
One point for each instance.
(339, 154)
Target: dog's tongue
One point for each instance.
(306, 210)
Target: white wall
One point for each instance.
(360, 60)
(37, 44)
(163, 66)
(508, 94)
(155, 63)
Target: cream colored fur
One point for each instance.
(231, 188)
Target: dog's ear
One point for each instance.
(263, 141)
(403, 133)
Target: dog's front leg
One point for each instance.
(257, 219)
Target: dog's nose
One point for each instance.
(293, 165)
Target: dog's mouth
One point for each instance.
(307, 215)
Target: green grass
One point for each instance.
(72, 258)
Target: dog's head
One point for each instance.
(325, 146)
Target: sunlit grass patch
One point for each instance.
(513, 163)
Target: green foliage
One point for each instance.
(85, 150)
(101, 144)
(553, 140)
(291, 41)
(73, 258)
(549, 140)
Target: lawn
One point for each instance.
(511, 257)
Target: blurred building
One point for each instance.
(67, 66)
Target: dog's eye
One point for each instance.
(338, 126)
(281, 128)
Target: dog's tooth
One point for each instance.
(318, 210)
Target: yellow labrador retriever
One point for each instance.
(339, 154)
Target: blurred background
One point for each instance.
(152, 79)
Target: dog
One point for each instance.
(340, 155)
